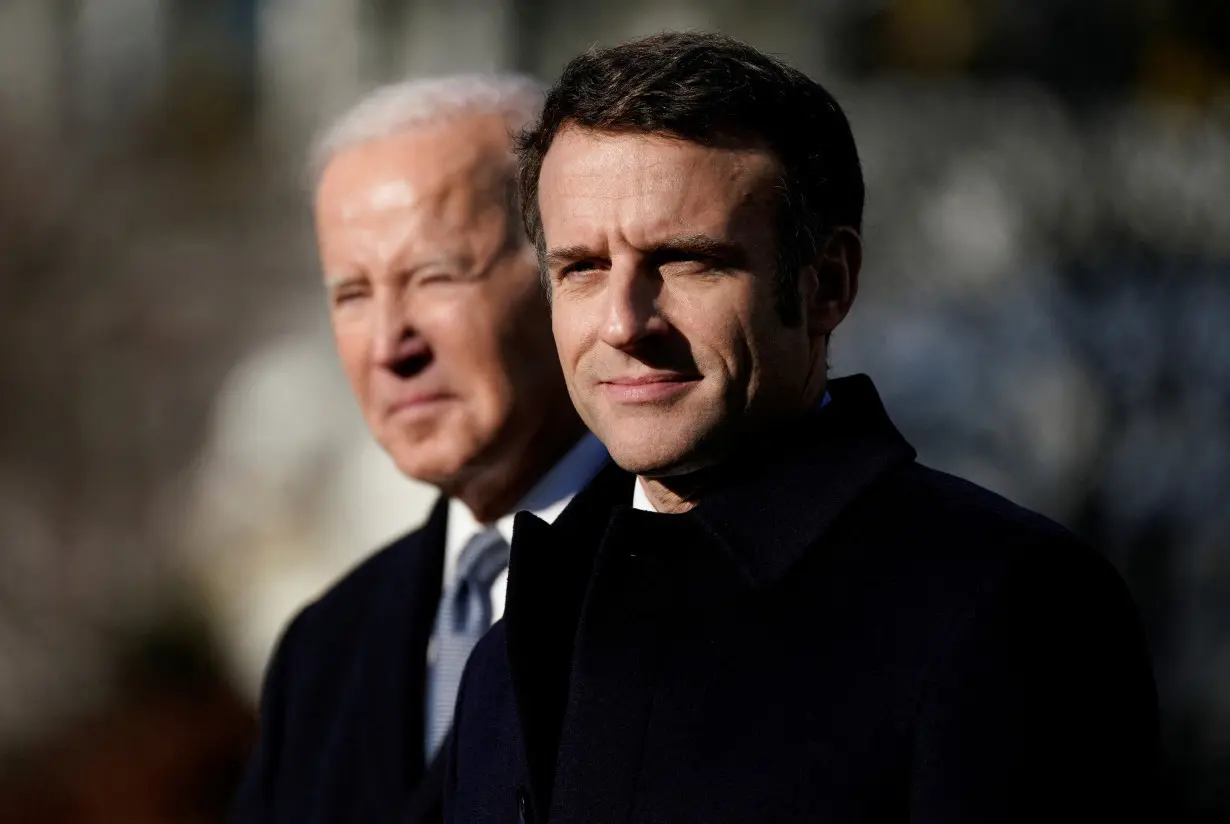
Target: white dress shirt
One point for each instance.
(546, 500)
(639, 499)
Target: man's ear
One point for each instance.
(836, 271)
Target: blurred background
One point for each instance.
(1046, 308)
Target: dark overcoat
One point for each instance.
(837, 634)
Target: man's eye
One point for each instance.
(581, 267)
(686, 262)
(343, 297)
(685, 266)
(437, 277)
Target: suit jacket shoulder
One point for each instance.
(374, 583)
(942, 527)
(948, 501)
(341, 707)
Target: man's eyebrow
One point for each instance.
(460, 262)
(568, 254)
(339, 279)
(702, 246)
(698, 245)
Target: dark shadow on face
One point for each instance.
(668, 350)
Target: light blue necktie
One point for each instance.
(463, 618)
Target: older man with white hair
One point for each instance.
(445, 337)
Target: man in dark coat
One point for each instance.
(768, 611)
(443, 333)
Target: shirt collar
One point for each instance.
(546, 499)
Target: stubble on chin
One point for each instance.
(648, 450)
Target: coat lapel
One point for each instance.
(634, 596)
(403, 616)
(548, 573)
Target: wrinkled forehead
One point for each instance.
(639, 185)
(449, 170)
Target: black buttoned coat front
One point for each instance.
(837, 635)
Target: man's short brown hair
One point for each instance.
(713, 89)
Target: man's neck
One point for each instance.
(664, 498)
(677, 494)
(495, 490)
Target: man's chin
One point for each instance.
(436, 466)
(655, 460)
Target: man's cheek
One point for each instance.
(566, 348)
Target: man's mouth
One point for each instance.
(648, 387)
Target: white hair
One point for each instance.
(400, 107)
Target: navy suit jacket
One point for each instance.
(835, 634)
(341, 716)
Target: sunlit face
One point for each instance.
(435, 304)
(661, 259)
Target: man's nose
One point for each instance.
(394, 337)
(632, 311)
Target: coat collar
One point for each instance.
(772, 511)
